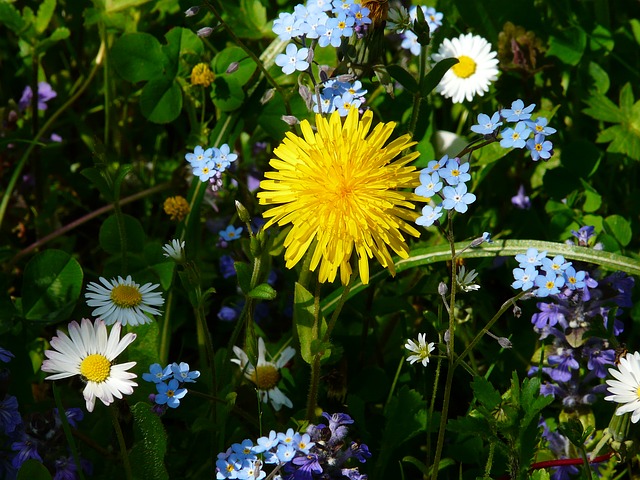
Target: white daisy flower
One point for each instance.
(626, 388)
(174, 250)
(123, 301)
(478, 67)
(421, 349)
(266, 374)
(89, 352)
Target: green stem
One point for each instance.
(417, 97)
(23, 160)
(312, 398)
(486, 328)
(124, 454)
(62, 413)
(165, 335)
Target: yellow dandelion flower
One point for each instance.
(341, 189)
(177, 207)
(378, 10)
(202, 75)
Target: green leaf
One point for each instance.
(249, 19)
(161, 100)
(406, 417)
(601, 108)
(43, 17)
(138, 56)
(593, 200)
(601, 39)
(96, 177)
(109, 235)
(10, 16)
(246, 66)
(620, 228)
(403, 77)
(164, 271)
(180, 41)
(568, 45)
(52, 284)
(622, 141)
(123, 171)
(227, 93)
(304, 319)
(432, 79)
(484, 392)
(33, 470)
(149, 449)
(600, 78)
(264, 291)
(58, 34)
(244, 276)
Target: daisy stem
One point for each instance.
(312, 398)
(124, 454)
(62, 413)
(417, 97)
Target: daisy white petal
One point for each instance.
(422, 350)
(476, 70)
(89, 351)
(625, 390)
(123, 301)
(265, 375)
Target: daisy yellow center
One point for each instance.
(95, 368)
(343, 193)
(266, 377)
(465, 67)
(126, 296)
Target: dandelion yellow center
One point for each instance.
(202, 75)
(95, 368)
(126, 296)
(266, 377)
(177, 207)
(465, 68)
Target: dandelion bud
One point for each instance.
(192, 11)
(233, 67)
(290, 120)
(268, 95)
(243, 213)
(443, 289)
(204, 32)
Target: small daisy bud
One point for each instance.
(443, 289)
(233, 67)
(204, 32)
(290, 119)
(268, 95)
(504, 342)
(517, 311)
(192, 11)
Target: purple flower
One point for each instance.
(226, 267)
(549, 315)
(306, 466)
(584, 234)
(521, 200)
(227, 314)
(5, 355)
(9, 416)
(598, 358)
(45, 93)
(564, 363)
(26, 450)
(337, 423)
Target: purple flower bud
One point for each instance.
(192, 11)
(204, 32)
